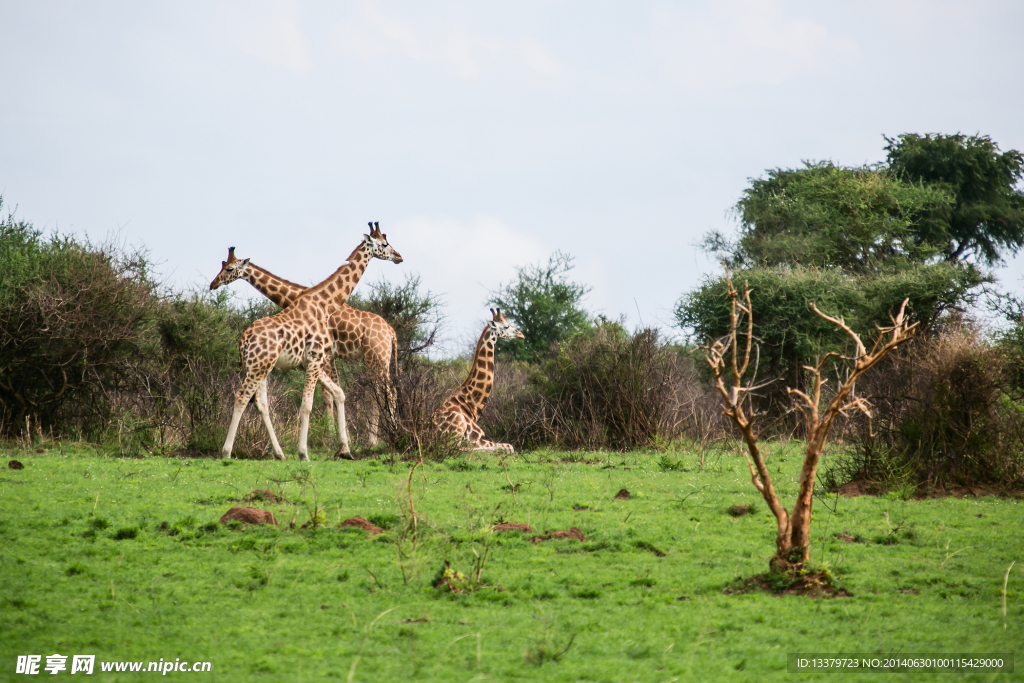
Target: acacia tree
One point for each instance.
(987, 215)
(545, 306)
(730, 360)
(855, 240)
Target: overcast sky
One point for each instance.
(482, 136)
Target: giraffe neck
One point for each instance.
(477, 388)
(336, 289)
(280, 291)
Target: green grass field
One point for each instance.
(124, 559)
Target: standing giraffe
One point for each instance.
(458, 415)
(301, 336)
(357, 334)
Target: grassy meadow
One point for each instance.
(125, 559)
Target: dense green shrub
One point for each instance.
(945, 415)
(790, 335)
(604, 388)
(77, 322)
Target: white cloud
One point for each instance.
(273, 36)
(468, 51)
(463, 262)
(744, 42)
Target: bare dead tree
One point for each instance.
(731, 355)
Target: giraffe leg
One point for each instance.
(373, 419)
(248, 388)
(475, 435)
(331, 370)
(313, 371)
(378, 370)
(263, 405)
(334, 389)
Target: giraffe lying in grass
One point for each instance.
(301, 336)
(358, 335)
(458, 415)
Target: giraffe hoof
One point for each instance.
(346, 455)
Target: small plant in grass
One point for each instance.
(384, 520)
(667, 464)
(547, 648)
(75, 570)
(126, 533)
(736, 355)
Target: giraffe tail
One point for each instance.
(394, 351)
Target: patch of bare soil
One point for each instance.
(513, 526)
(571, 533)
(910, 591)
(740, 510)
(860, 487)
(972, 491)
(363, 524)
(15, 465)
(811, 585)
(857, 487)
(248, 515)
(846, 538)
(263, 495)
(623, 494)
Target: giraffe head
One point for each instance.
(377, 244)
(501, 328)
(230, 270)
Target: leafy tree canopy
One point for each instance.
(544, 304)
(856, 219)
(790, 335)
(987, 216)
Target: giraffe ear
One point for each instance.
(245, 263)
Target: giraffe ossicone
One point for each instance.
(458, 415)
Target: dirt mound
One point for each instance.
(740, 510)
(623, 494)
(363, 524)
(571, 533)
(15, 465)
(812, 585)
(858, 487)
(248, 516)
(263, 495)
(512, 526)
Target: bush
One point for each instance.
(76, 323)
(414, 315)
(945, 415)
(605, 388)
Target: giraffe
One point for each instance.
(357, 334)
(301, 336)
(458, 415)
